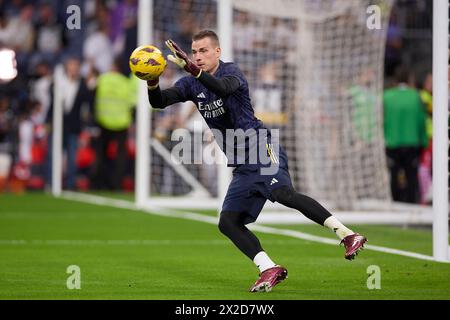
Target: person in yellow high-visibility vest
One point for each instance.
(114, 103)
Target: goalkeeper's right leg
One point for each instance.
(232, 224)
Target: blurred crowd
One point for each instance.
(85, 59)
(91, 63)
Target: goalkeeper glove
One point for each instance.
(153, 84)
(181, 59)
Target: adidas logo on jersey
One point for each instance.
(273, 181)
(201, 95)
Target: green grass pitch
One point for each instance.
(126, 254)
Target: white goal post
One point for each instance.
(441, 248)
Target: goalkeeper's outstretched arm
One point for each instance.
(221, 87)
(160, 99)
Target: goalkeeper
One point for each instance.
(221, 94)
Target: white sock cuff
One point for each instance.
(336, 226)
(263, 261)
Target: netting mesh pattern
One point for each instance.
(316, 71)
(178, 20)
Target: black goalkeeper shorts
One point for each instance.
(252, 185)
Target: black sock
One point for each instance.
(309, 207)
(232, 225)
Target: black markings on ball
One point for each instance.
(152, 62)
(141, 74)
(135, 61)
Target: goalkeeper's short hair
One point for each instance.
(206, 34)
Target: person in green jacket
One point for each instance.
(405, 136)
(114, 103)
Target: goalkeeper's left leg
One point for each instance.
(287, 196)
(309, 207)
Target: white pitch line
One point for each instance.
(213, 220)
(124, 204)
(126, 242)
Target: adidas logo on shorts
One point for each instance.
(273, 181)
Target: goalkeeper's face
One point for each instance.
(206, 53)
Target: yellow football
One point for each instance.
(147, 62)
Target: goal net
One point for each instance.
(315, 71)
(180, 169)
